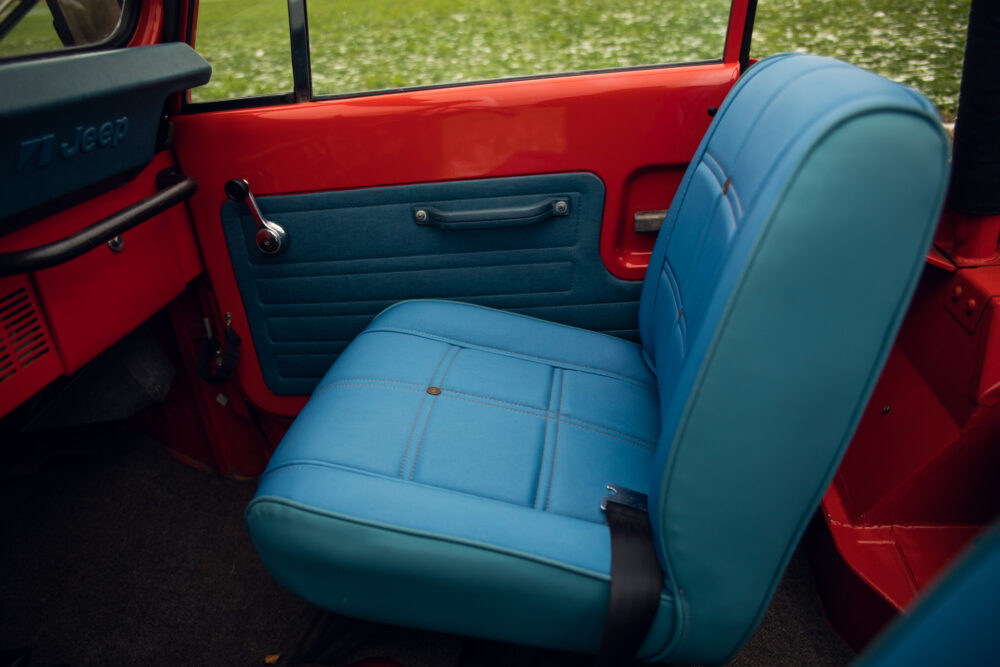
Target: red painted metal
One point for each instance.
(737, 26)
(919, 479)
(94, 300)
(149, 27)
(648, 189)
(207, 425)
(969, 240)
(28, 357)
(617, 125)
(852, 608)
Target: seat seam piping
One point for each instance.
(490, 401)
(413, 386)
(427, 421)
(723, 195)
(313, 464)
(675, 289)
(731, 186)
(562, 419)
(416, 418)
(512, 353)
(555, 443)
(545, 437)
(514, 553)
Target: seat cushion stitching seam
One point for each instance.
(373, 382)
(675, 289)
(519, 355)
(570, 421)
(589, 426)
(413, 470)
(513, 552)
(724, 195)
(712, 158)
(489, 401)
(555, 444)
(736, 196)
(640, 444)
(548, 411)
(715, 177)
(340, 467)
(416, 418)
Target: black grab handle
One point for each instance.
(43, 257)
(511, 216)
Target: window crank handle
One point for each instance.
(271, 237)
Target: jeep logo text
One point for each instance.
(40, 150)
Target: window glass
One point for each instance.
(917, 42)
(360, 45)
(54, 24)
(247, 45)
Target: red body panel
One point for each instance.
(149, 27)
(94, 300)
(919, 480)
(737, 26)
(209, 425)
(28, 358)
(621, 126)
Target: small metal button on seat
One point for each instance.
(433, 391)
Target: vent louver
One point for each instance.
(22, 339)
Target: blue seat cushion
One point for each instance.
(483, 436)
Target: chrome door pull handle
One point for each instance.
(271, 237)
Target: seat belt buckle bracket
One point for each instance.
(625, 496)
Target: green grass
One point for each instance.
(916, 42)
(360, 45)
(371, 44)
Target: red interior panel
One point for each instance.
(616, 125)
(28, 358)
(94, 300)
(918, 482)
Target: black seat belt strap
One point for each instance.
(636, 577)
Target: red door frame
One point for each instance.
(636, 129)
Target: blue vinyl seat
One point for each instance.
(447, 472)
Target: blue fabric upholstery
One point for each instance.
(448, 469)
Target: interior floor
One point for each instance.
(114, 553)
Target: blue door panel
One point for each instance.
(353, 253)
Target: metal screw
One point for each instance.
(886, 409)
(116, 244)
(421, 215)
(560, 207)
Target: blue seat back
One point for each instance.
(774, 292)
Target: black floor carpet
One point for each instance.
(114, 553)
